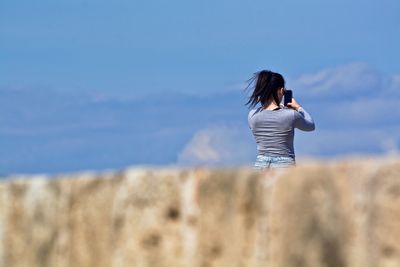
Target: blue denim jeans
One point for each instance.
(265, 162)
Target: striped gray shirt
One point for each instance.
(273, 130)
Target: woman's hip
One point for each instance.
(264, 161)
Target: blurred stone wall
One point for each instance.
(343, 213)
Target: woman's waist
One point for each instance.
(283, 151)
(271, 156)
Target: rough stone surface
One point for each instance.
(332, 213)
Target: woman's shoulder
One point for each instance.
(287, 113)
(287, 110)
(253, 111)
(283, 110)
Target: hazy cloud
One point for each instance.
(342, 141)
(355, 109)
(394, 86)
(43, 130)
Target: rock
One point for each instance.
(332, 213)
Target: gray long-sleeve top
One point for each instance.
(273, 130)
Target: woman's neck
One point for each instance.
(270, 105)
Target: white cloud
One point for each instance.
(341, 81)
(351, 95)
(201, 148)
(218, 146)
(360, 115)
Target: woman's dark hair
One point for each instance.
(266, 86)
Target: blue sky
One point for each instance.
(100, 84)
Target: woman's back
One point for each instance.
(273, 130)
(273, 124)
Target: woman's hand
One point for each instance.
(294, 105)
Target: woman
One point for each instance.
(273, 124)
